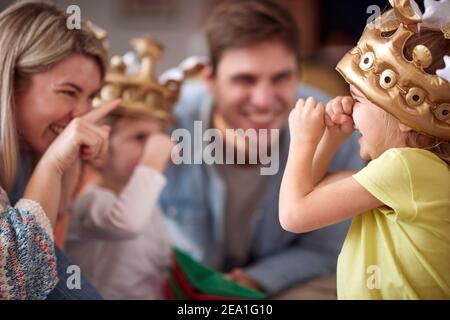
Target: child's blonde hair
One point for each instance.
(33, 37)
(414, 139)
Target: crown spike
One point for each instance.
(407, 11)
(149, 51)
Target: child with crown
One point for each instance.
(117, 232)
(398, 245)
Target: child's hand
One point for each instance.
(338, 117)
(157, 151)
(82, 139)
(306, 121)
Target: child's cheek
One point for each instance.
(359, 116)
(355, 116)
(135, 153)
(126, 158)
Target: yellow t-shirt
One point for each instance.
(400, 250)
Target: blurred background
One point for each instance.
(329, 28)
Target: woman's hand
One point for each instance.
(69, 184)
(338, 117)
(157, 151)
(306, 121)
(81, 139)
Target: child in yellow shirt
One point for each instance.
(398, 246)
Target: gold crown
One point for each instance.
(379, 69)
(142, 93)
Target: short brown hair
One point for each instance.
(240, 23)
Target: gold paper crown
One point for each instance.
(142, 93)
(379, 69)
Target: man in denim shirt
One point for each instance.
(226, 215)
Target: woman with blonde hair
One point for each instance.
(48, 78)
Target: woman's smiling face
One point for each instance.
(53, 98)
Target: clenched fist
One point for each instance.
(158, 149)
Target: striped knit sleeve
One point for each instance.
(27, 252)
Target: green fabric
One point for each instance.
(210, 282)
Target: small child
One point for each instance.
(117, 234)
(398, 246)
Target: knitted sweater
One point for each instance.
(27, 253)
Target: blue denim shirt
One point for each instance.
(195, 197)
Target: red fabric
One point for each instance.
(167, 291)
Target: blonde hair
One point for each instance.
(33, 38)
(414, 139)
(439, 147)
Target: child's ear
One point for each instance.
(404, 128)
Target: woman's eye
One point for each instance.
(69, 93)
